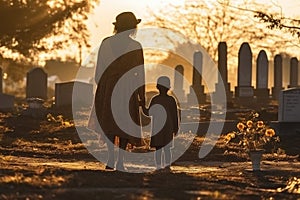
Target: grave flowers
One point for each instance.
(253, 135)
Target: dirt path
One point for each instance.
(45, 160)
(39, 178)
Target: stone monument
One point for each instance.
(197, 80)
(277, 77)
(178, 83)
(223, 76)
(293, 73)
(244, 89)
(36, 84)
(262, 73)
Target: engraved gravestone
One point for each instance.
(36, 84)
(289, 105)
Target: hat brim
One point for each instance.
(137, 21)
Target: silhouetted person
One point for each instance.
(164, 113)
(120, 69)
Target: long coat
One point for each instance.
(120, 81)
(164, 112)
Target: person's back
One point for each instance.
(119, 70)
(163, 109)
(164, 112)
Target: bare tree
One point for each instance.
(210, 24)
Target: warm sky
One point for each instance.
(105, 13)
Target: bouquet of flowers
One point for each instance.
(253, 134)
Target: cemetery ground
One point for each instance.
(45, 159)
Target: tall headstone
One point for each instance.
(178, 83)
(1, 79)
(293, 73)
(262, 91)
(36, 85)
(197, 80)
(277, 77)
(223, 76)
(244, 90)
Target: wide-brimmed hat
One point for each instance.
(126, 21)
(164, 81)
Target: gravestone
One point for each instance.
(293, 73)
(36, 84)
(197, 80)
(6, 101)
(277, 77)
(244, 90)
(75, 93)
(178, 83)
(223, 76)
(289, 112)
(289, 105)
(262, 91)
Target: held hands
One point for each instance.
(144, 109)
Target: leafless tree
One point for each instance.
(210, 24)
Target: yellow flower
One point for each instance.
(260, 124)
(240, 126)
(249, 123)
(231, 135)
(270, 132)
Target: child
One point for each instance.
(163, 109)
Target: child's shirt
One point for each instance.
(163, 109)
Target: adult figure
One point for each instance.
(120, 69)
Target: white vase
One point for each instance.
(255, 157)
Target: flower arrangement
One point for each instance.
(253, 134)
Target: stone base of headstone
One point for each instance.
(36, 113)
(35, 109)
(244, 91)
(180, 95)
(198, 98)
(276, 92)
(244, 95)
(293, 86)
(262, 95)
(221, 90)
(6, 102)
(75, 93)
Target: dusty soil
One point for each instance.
(45, 159)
